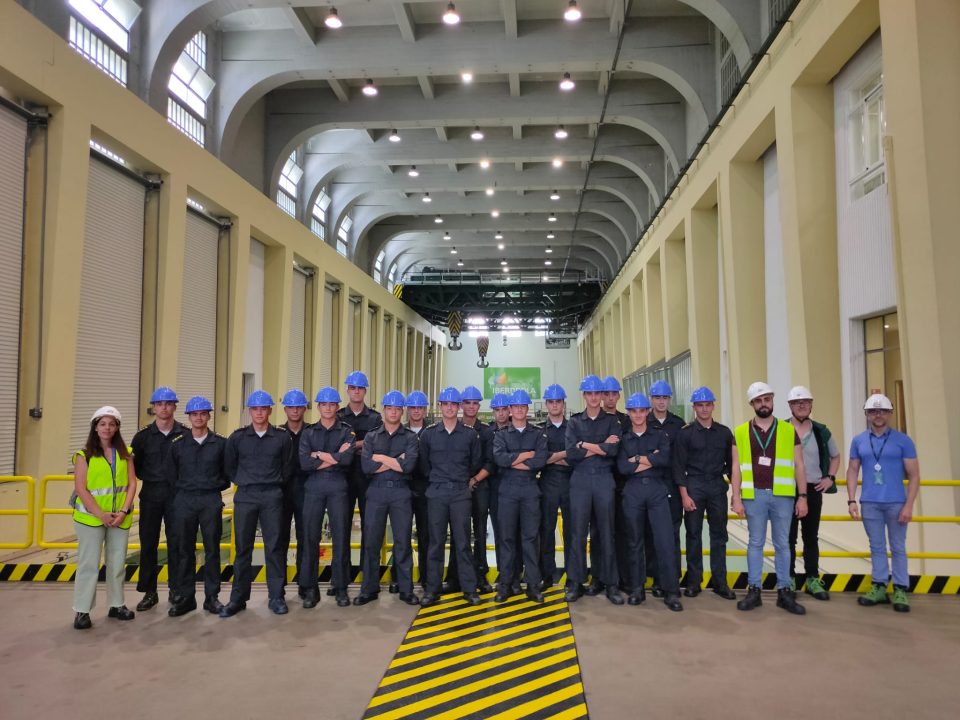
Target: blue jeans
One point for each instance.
(778, 509)
(877, 518)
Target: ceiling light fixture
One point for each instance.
(438, 219)
(495, 213)
(426, 197)
(503, 261)
(567, 83)
(370, 90)
(459, 263)
(451, 17)
(477, 133)
(489, 192)
(550, 236)
(500, 246)
(558, 162)
(333, 20)
(484, 164)
(548, 262)
(413, 172)
(555, 195)
(498, 236)
(394, 136)
(505, 269)
(561, 133)
(552, 218)
(453, 251)
(466, 76)
(572, 13)
(446, 236)
(549, 249)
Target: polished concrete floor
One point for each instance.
(709, 661)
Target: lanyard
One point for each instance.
(113, 464)
(763, 445)
(877, 455)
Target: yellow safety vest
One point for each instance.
(784, 473)
(109, 492)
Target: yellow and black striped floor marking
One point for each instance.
(495, 661)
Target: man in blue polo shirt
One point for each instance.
(887, 457)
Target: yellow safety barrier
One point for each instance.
(26, 512)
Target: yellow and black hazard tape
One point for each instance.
(840, 582)
(515, 659)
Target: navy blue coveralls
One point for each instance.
(293, 498)
(418, 490)
(554, 495)
(520, 501)
(361, 423)
(671, 425)
(326, 491)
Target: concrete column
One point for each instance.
(741, 223)
(653, 306)
(703, 290)
(344, 354)
(378, 354)
(616, 337)
(401, 355)
(674, 288)
(363, 327)
(277, 296)
(638, 312)
(628, 348)
(239, 245)
(317, 300)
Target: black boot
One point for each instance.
(787, 599)
(751, 600)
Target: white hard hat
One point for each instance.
(757, 389)
(878, 402)
(106, 411)
(799, 393)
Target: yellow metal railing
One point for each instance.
(25, 512)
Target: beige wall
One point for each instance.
(719, 207)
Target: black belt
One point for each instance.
(389, 483)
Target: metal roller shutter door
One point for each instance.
(326, 337)
(197, 356)
(107, 368)
(13, 140)
(298, 317)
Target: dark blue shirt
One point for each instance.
(655, 446)
(582, 428)
(448, 457)
(299, 476)
(198, 467)
(151, 451)
(486, 434)
(361, 423)
(509, 443)
(402, 445)
(318, 438)
(266, 461)
(556, 442)
(702, 454)
(671, 425)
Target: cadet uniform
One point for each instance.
(293, 499)
(361, 423)
(554, 495)
(418, 492)
(670, 426)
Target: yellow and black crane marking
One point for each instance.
(492, 661)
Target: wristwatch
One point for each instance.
(803, 495)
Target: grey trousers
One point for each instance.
(90, 545)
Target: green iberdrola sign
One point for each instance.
(508, 379)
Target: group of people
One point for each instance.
(623, 483)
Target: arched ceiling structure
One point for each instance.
(648, 77)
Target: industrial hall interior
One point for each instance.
(482, 359)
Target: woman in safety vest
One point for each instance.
(104, 488)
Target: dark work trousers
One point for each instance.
(419, 501)
(293, 496)
(592, 494)
(710, 497)
(203, 511)
(520, 506)
(809, 530)
(620, 541)
(251, 505)
(554, 495)
(676, 519)
(153, 510)
(453, 508)
(646, 502)
(329, 496)
(388, 497)
(356, 497)
(479, 512)
(493, 483)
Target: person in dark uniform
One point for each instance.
(259, 461)
(592, 441)
(480, 494)
(520, 451)
(198, 478)
(326, 455)
(449, 452)
(417, 403)
(702, 454)
(294, 407)
(554, 486)
(644, 459)
(151, 451)
(500, 407)
(662, 420)
(390, 453)
(362, 419)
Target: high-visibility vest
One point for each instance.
(784, 473)
(109, 492)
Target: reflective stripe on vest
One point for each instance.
(784, 475)
(109, 493)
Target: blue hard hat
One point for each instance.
(164, 394)
(702, 394)
(591, 383)
(520, 397)
(554, 392)
(417, 399)
(394, 398)
(471, 392)
(198, 403)
(611, 384)
(327, 395)
(638, 401)
(450, 394)
(661, 388)
(259, 398)
(357, 379)
(295, 398)
(499, 400)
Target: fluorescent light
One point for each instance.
(394, 136)
(561, 133)
(370, 90)
(572, 13)
(567, 82)
(477, 133)
(333, 20)
(555, 195)
(413, 172)
(451, 17)
(466, 76)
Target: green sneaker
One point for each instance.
(900, 601)
(876, 595)
(815, 587)
(793, 584)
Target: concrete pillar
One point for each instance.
(344, 355)
(673, 270)
(277, 296)
(638, 312)
(628, 347)
(703, 291)
(653, 307)
(616, 336)
(317, 300)
(363, 327)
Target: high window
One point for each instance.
(190, 87)
(289, 184)
(884, 370)
(343, 236)
(392, 278)
(318, 217)
(378, 266)
(100, 31)
(867, 126)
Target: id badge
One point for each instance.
(765, 461)
(878, 477)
